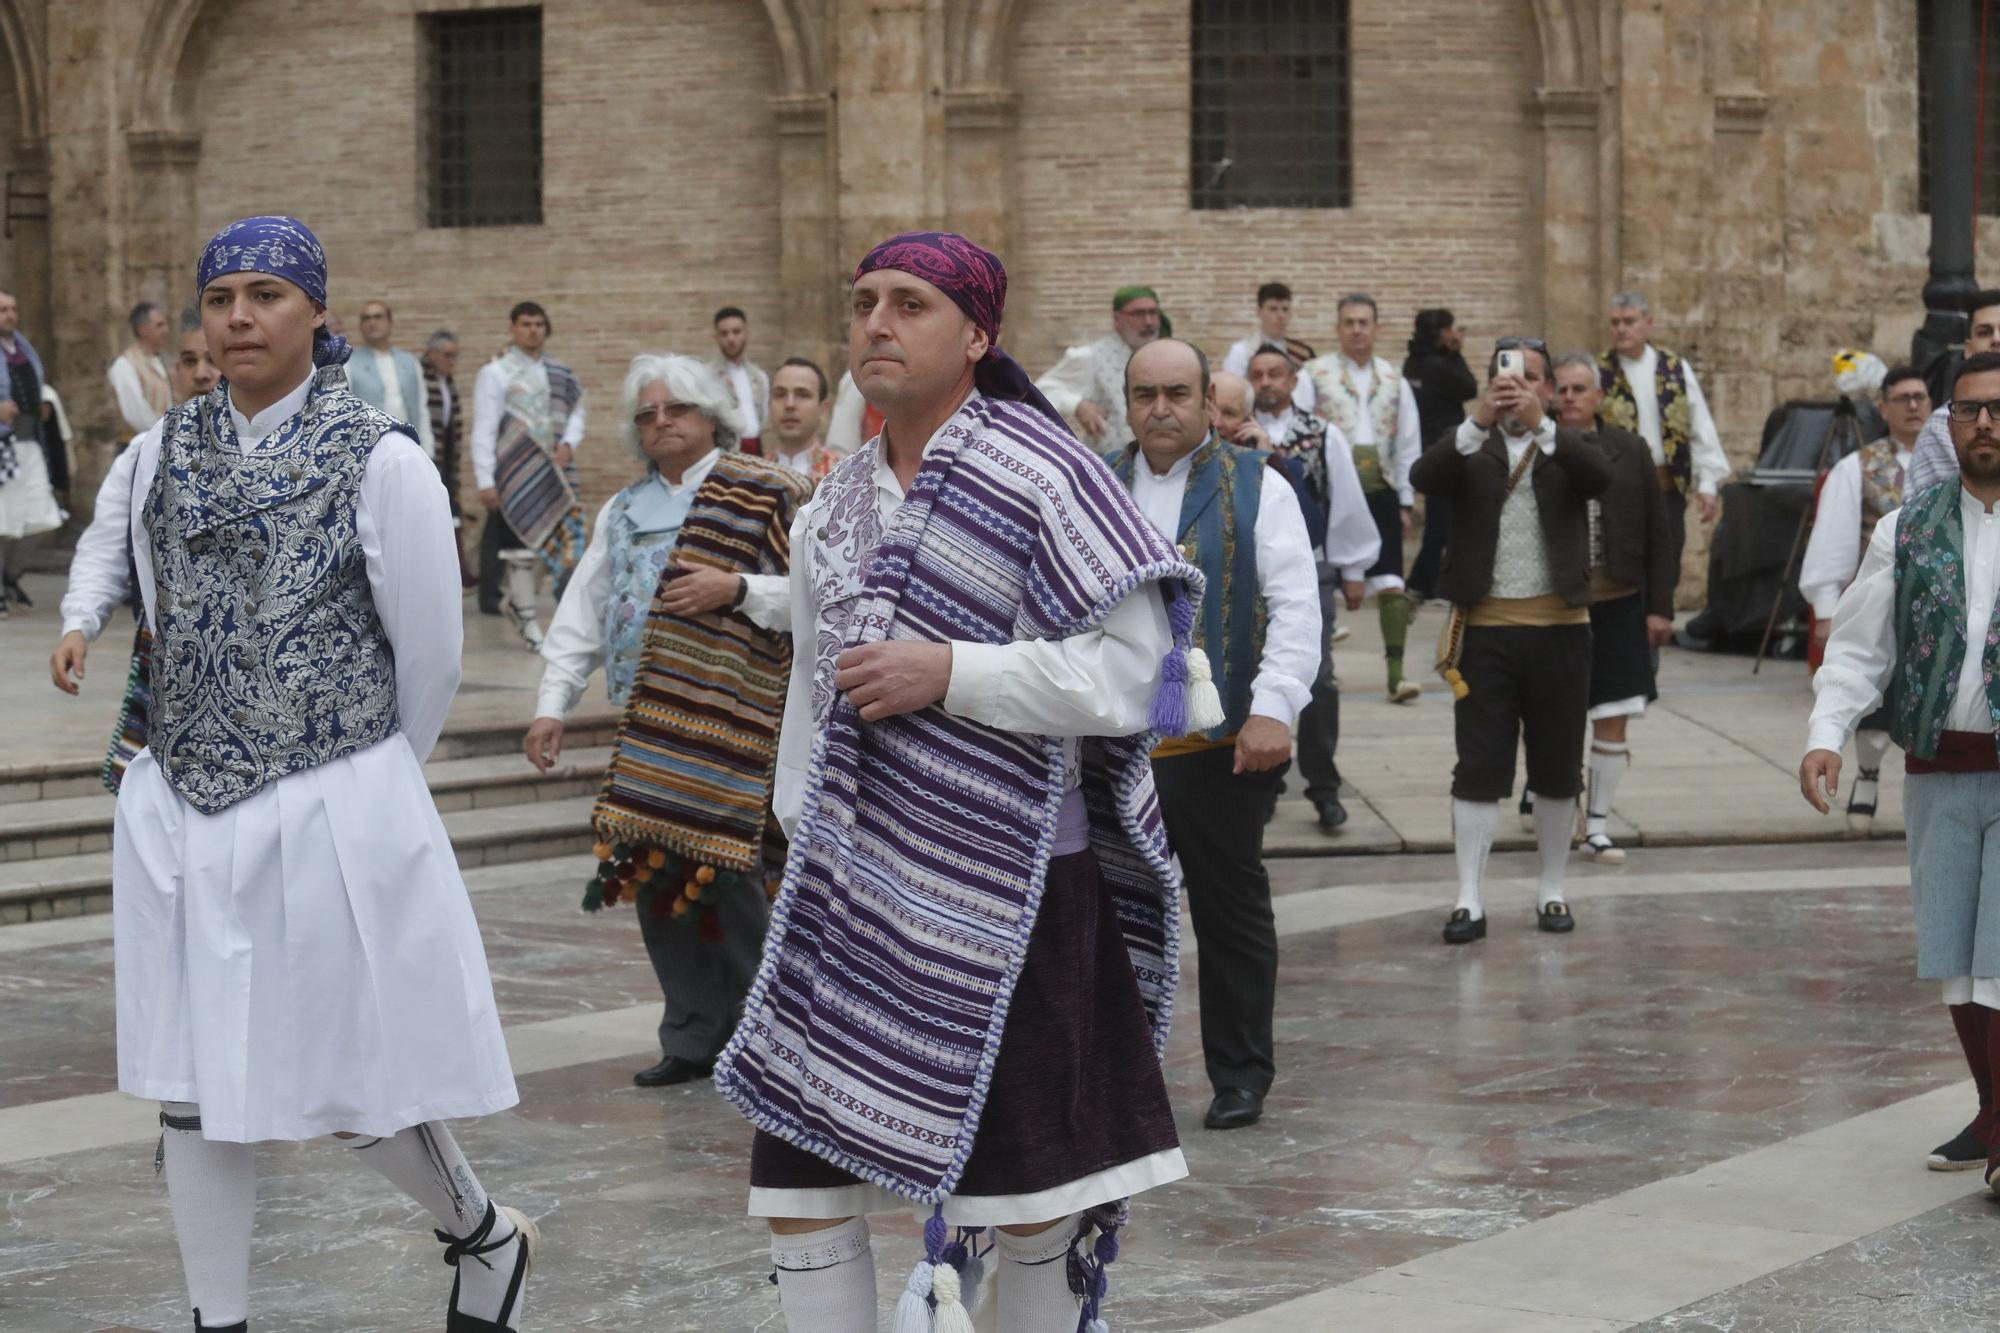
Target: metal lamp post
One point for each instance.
(1954, 105)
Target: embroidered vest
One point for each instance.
(1217, 535)
(1670, 391)
(1930, 623)
(635, 559)
(269, 657)
(1881, 485)
(1338, 402)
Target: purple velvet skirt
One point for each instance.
(1076, 1089)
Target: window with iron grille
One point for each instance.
(1270, 125)
(1989, 132)
(484, 145)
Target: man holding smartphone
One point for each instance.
(1517, 648)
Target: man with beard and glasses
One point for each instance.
(1916, 633)
(1088, 385)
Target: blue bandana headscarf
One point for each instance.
(284, 248)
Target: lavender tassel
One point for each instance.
(1170, 703)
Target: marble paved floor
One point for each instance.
(1429, 1099)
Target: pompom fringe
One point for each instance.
(1204, 701)
(952, 1316)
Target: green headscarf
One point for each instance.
(1124, 296)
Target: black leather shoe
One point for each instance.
(1555, 918)
(1233, 1108)
(673, 1070)
(240, 1326)
(1965, 1152)
(1332, 814)
(1461, 928)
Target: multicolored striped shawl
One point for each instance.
(917, 867)
(691, 769)
(538, 499)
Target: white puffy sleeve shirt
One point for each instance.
(98, 573)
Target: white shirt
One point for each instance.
(98, 574)
(800, 462)
(1094, 372)
(1238, 363)
(1098, 683)
(132, 404)
(746, 398)
(1834, 551)
(1285, 580)
(392, 402)
(1353, 542)
(573, 647)
(1861, 653)
(1710, 464)
(843, 430)
(489, 405)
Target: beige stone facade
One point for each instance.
(1751, 165)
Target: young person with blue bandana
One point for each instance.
(296, 954)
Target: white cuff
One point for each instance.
(1705, 488)
(1470, 438)
(767, 601)
(1825, 735)
(555, 700)
(88, 626)
(974, 669)
(1271, 703)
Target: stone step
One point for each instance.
(64, 778)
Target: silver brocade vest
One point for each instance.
(268, 657)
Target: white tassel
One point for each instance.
(1204, 701)
(913, 1311)
(951, 1313)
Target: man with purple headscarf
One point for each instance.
(296, 954)
(970, 965)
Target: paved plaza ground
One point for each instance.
(1706, 1110)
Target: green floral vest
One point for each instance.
(1930, 622)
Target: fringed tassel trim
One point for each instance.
(1451, 646)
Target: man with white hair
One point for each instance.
(139, 375)
(527, 421)
(1088, 385)
(1654, 394)
(680, 610)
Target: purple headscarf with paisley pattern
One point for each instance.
(284, 248)
(976, 281)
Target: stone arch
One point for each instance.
(979, 44)
(800, 30)
(28, 55)
(1574, 224)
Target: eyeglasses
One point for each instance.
(1532, 344)
(1966, 411)
(662, 412)
(1915, 398)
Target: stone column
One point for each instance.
(1563, 295)
(808, 261)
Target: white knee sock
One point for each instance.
(1608, 762)
(1869, 747)
(1473, 824)
(1032, 1287)
(425, 1163)
(1555, 820)
(213, 1190)
(826, 1279)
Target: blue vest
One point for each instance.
(642, 528)
(365, 378)
(268, 655)
(1217, 534)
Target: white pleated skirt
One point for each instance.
(304, 962)
(27, 504)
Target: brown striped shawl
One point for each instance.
(691, 769)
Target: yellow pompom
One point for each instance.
(656, 858)
(681, 906)
(693, 891)
(645, 874)
(602, 851)
(705, 875)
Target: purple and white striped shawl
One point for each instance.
(870, 1035)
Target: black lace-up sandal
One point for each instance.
(476, 1248)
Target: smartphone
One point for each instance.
(1511, 361)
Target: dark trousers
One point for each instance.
(1525, 687)
(1677, 526)
(704, 982)
(1319, 720)
(1215, 821)
(494, 537)
(1430, 556)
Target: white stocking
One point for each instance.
(212, 1187)
(425, 1163)
(826, 1279)
(1608, 761)
(1033, 1283)
(1473, 824)
(1555, 820)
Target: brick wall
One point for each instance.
(660, 185)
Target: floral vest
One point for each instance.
(269, 658)
(1217, 535)
(635, 557)
(1930, 623)
(1670, 391)
(1338, 402)
(1881, 485)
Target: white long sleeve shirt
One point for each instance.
(99, 578)
(1285, 580)
(489, 405)
(573, 647)
(1353, 542)
(1833, 553)
(131, 395)
(1098, 683)
(1861, 653)
(403, 521)
(1709, 463)
(843, 429)
(1093, 372)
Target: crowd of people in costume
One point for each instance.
(942, 689)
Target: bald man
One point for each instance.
(1235, 516)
